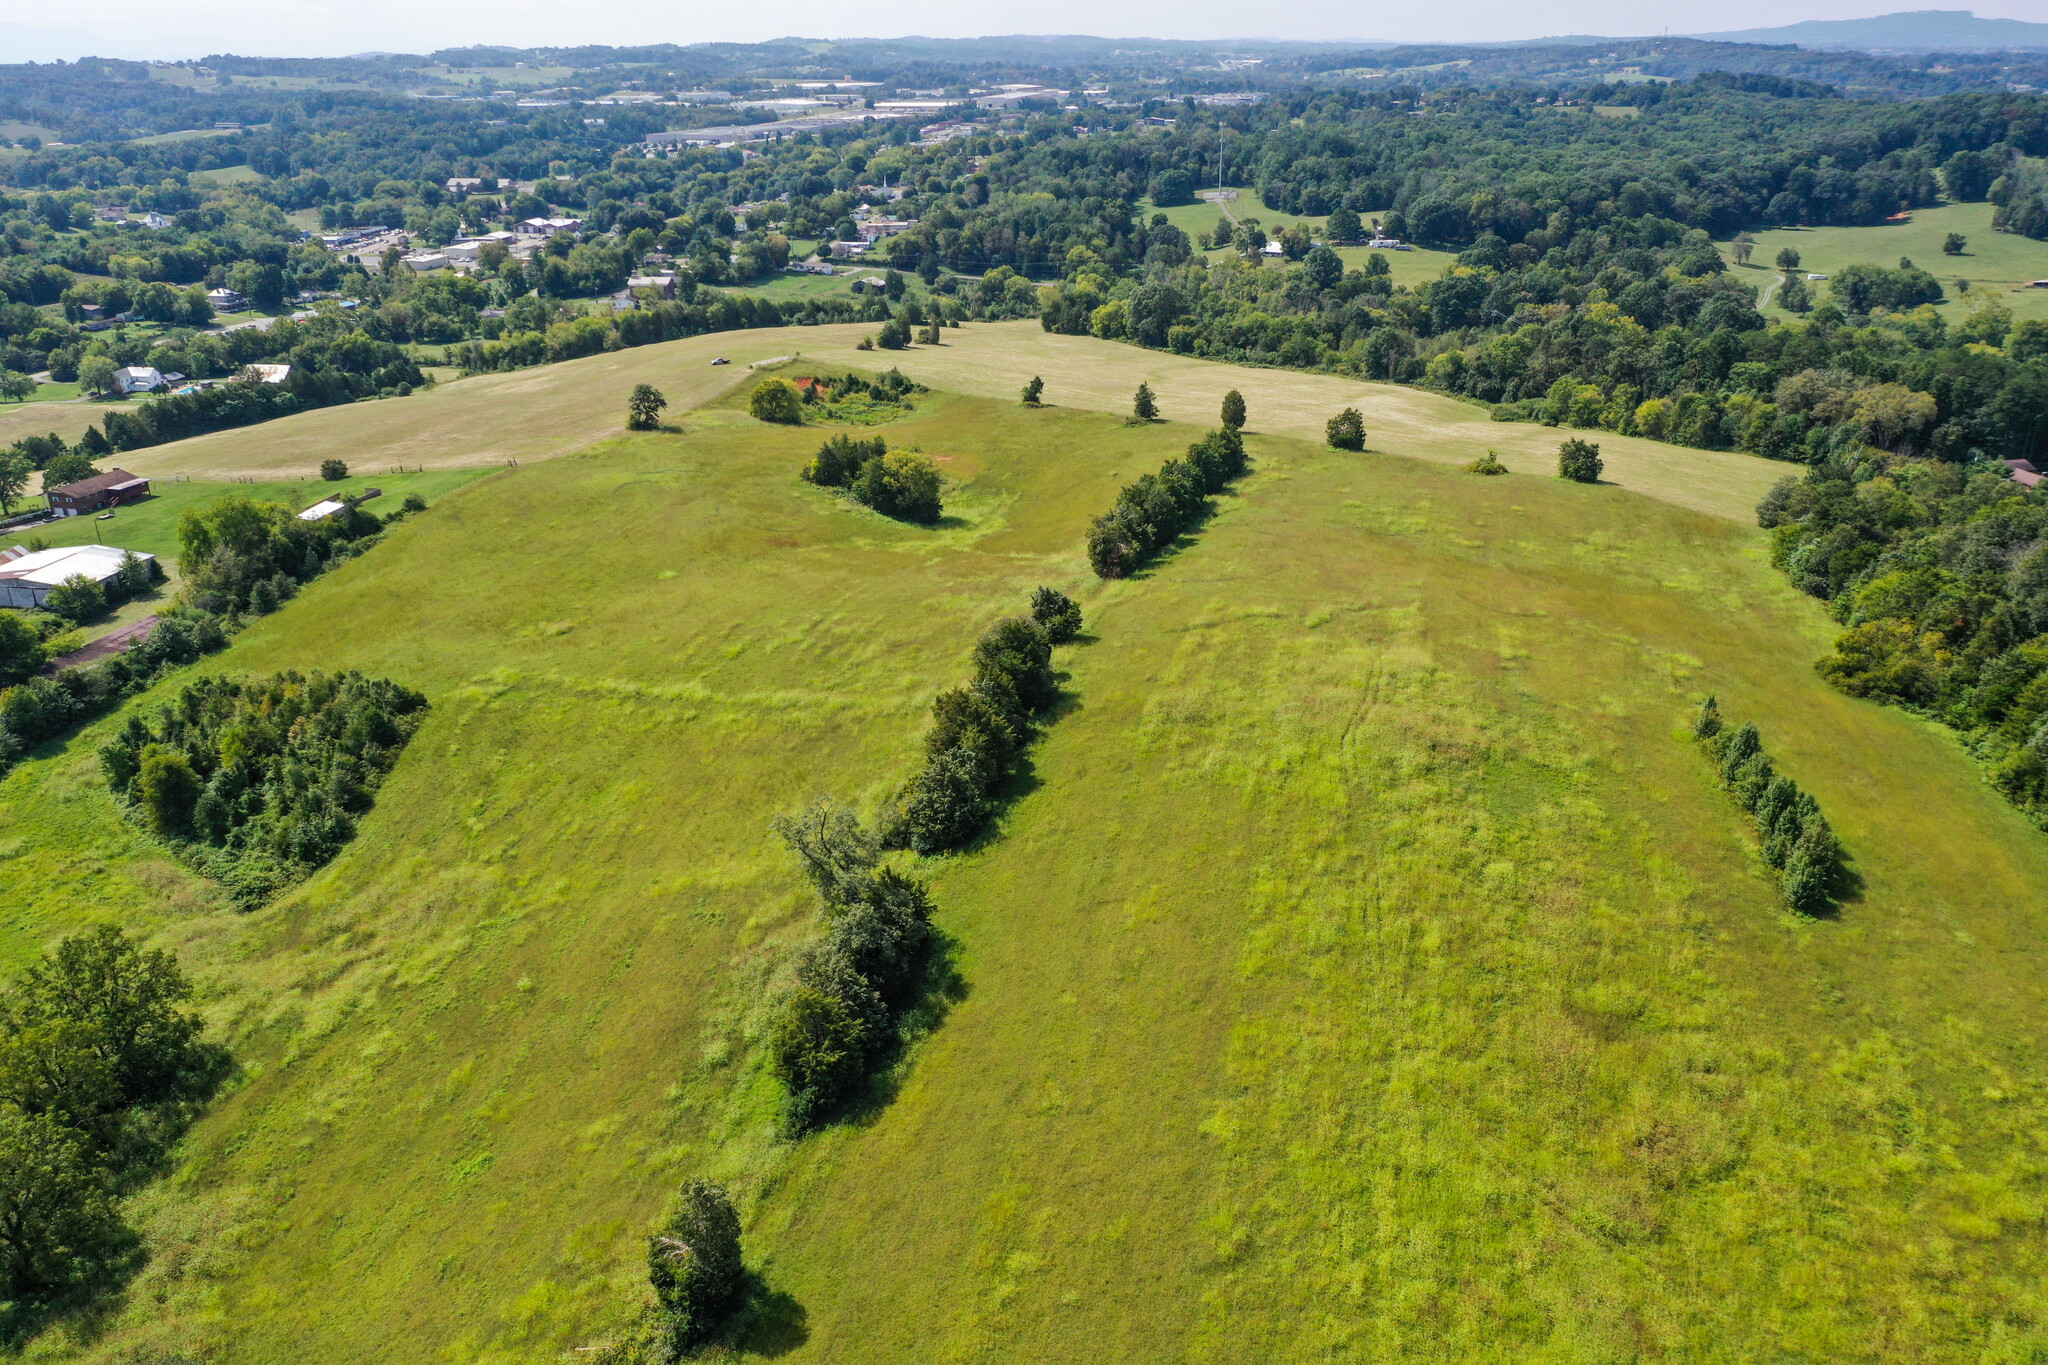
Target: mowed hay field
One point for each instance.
(1366, 968)
(539, 413)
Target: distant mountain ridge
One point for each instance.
(1925, 30)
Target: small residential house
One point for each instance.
(155, 220)
(848, 250)
(665, 285)
(26, 576)
(875, 229)
(138, 379)
(549, 227)
(871, 284)
(2023, 472)
(226, 300)
(96, 494)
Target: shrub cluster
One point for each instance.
(1579, 461)
(1346, 431)
(854, 985)
(241, 555)
(979, 730)
(1797, 839)
(100, 1070)
(862, 402)
(900, 484)
(43, 708)
(258, 783)
(1151, 513)
(694, 1265)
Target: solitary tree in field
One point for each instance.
(1144, 407)
(1953, 244)
(1343, 225)
(1741, 248)
(643, 408)
(1233, 410)
(1346, 431)
(1788, 258)
(776, 400)
(334, 471)
(17, 387)
(1034, 392)
(1579, 461)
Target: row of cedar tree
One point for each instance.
(864, 988)
(1797, 839)
(1151, 513)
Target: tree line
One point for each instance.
(1797, 840)
(258, 783)
(42, 708)
(1938, 574)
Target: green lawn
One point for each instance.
(1365, 969)
(2000, 261)
(152, 524)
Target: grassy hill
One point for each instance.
(1366, 967)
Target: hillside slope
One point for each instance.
(552, 409)
(1367, 968)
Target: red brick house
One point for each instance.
(97, 493)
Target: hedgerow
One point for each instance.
(854, 985)
(1152, 513)
(256, 784)
(979, 730)
(1797, 839)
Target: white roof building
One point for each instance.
(137, 379)
(268, 374)
(322, 510)
(26, 576)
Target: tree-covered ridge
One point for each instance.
(258, 783)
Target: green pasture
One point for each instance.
(1365, 968)
(2001, 262)
(229, 175)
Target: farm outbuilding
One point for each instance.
(26, 576)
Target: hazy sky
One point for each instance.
(190, 28)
